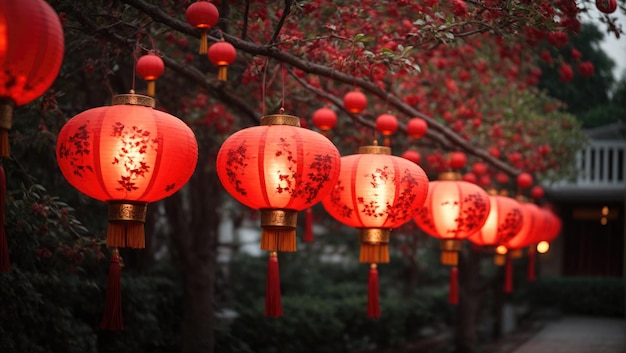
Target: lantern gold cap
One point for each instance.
(133, 99)
(375, 150)
(450, 176)
(6, 113)
(280, 119)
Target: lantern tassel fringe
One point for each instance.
(373, 304)
(508, 275)
(530, 276)
(374, 253)
(5, 149)
(450, 258)
(273, 305)
(222, 73)
(126, 234)
(5, 265)
(453, 294)
(204, 46)
(278, 239)
(308, 225)
(112, 316)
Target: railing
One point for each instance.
(599, 165)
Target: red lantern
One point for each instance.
(502, 178)
(524, 180)
(526, 234)
(128, 155)
(413, 156)
(202, 15)
(386, 124)
(222, 54)
(31, 52)
(470, 178)
(355, 102)
(279, 169)
(150, 67)
(504, 222)
(606, 6)
(458, 160)
(479, 168)
(536, 192)
(375, 193)
(416, 127)
(324, 119)
(453, 210)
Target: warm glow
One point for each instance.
(501, 249)
(605, 210)
(603, 221)
(543, 247)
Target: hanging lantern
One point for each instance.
(504, 222)
(524, 180)
(31, 52)
(470, 178)
(202, 15)
(222, 54)
(413, 156)
(127, 155)
(536, 192)
(324, 119)
(453, 211)
(150, 67)
(416, 127)
(386, 124)
(479, 168)
(279, 169)
(375, 193)
(355, 102)
(458, 160)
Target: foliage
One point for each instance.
(580, 295)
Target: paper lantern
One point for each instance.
(416, 127)
(479, 168)
(202, 15)
(524, 180)
(536, 192)
(457, 160)
(413, 156)
(31, 52)
(375, 193)
(222, 54)
(278, 168)
(150, 67)
(453, 211)
(324, 119)
(504, 222)
(354, 102)
(386, 124)
(127, 155)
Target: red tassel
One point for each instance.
(530, 275)
(273, 306)
(373, 306)
(5, 266)
(112, 317)
(453, 295)
(508, 274)
(308, 225)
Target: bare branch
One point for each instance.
(281, 22)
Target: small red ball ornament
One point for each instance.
(524, 180)
(150, 67)
(355, 102)
(222, 54)
(386, 124)
(413, 156)
(458, 160)
(470, 178)
(416, 127)
(606, 6)
(31, 52)
(324, 119)
(536, 192)
(202, 15)
(479, 168)
(127, 155)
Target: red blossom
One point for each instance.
(576, 54)
(558, 39)
(459, 8)
(586, 69)
(566, 73)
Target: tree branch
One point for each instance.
(281, 22)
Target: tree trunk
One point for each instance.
(195, 238)
(469, 301)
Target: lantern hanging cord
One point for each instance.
(282, 82)
(263, 86)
